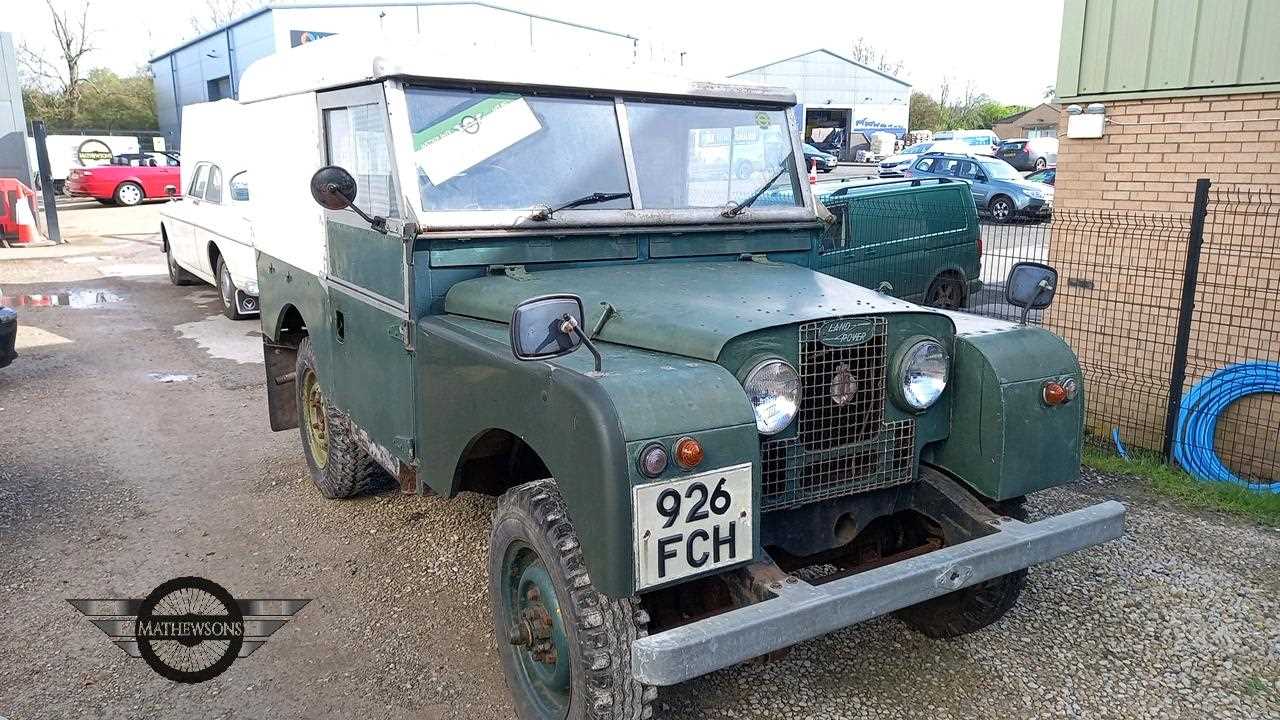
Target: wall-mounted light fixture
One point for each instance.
(1087, 123)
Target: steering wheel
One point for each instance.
(485, 181)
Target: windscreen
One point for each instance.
(482, 150)
(693, 156)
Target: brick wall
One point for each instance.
(1148, 161)
(1153, 151)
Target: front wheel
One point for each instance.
(975, 607)
(1041, 163)
(128, 194)
(565, 647)
(1002, 209)
(339, 466)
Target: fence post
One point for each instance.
(40, 134)
(1186, 310)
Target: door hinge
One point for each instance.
(407, 446)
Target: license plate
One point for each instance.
(692, 525)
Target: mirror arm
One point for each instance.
(571, 326)
(1026, 309)
(377, 222)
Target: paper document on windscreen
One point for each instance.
(477, 133)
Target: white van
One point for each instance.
(207, 235)
(982, 142)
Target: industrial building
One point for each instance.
(209, 67)
(836, 92)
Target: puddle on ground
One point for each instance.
(71, 298)
(169, 377)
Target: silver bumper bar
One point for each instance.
(801, 611)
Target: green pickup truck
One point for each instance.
(495, 273)
(915, 239)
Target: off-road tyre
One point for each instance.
(128, 193)
(227, 293)
(599, 630)
(347, 470)
(177, 275)
(973, 608)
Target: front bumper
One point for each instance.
(800, 611)
(1038, 207)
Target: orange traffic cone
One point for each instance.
(813, 172)
(25, 221)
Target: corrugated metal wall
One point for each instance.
(1167, 47)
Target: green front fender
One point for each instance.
(580, 426)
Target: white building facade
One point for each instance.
(209, 67)
(837, 92)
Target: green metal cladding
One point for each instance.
(1156, 48)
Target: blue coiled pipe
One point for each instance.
(1198, 419)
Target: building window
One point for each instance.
(219, 88)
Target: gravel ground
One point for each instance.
(111, 482)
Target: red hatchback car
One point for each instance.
(129, 179)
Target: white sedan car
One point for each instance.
(207, 236)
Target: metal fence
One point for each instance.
(1175, 317)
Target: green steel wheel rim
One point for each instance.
(313, 414)
(536, 631)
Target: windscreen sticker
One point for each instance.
(467, 138)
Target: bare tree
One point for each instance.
(867, 54)
(221, 12)
(63, 74)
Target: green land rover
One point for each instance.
(746, 454)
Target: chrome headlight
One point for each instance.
(923, 374)
(773, 387)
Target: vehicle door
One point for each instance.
(969, 171)
(183, 233)
(368, 280)
(209, 230)
(166, 173)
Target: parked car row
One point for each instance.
(998, 189)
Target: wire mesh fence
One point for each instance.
(1174, 316)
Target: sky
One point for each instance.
(1007, 49)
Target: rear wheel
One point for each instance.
(1041, 163)
(565, 647)
(339, 466)
(128, 194)
(1002, 208)
(227, 290)
(947, 292)
(973, 608)
(177, 275)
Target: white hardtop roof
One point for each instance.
(344, 60)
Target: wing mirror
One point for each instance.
(548, 327)
(1031, 286)
(333, 188)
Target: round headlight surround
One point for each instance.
(923, 371)
(773, 388)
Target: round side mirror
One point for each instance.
(333, 188)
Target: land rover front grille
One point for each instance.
(842, 444)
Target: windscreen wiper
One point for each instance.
(546, 212)
(739, 207)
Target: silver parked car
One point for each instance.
(896, 165)
(1029, 154)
